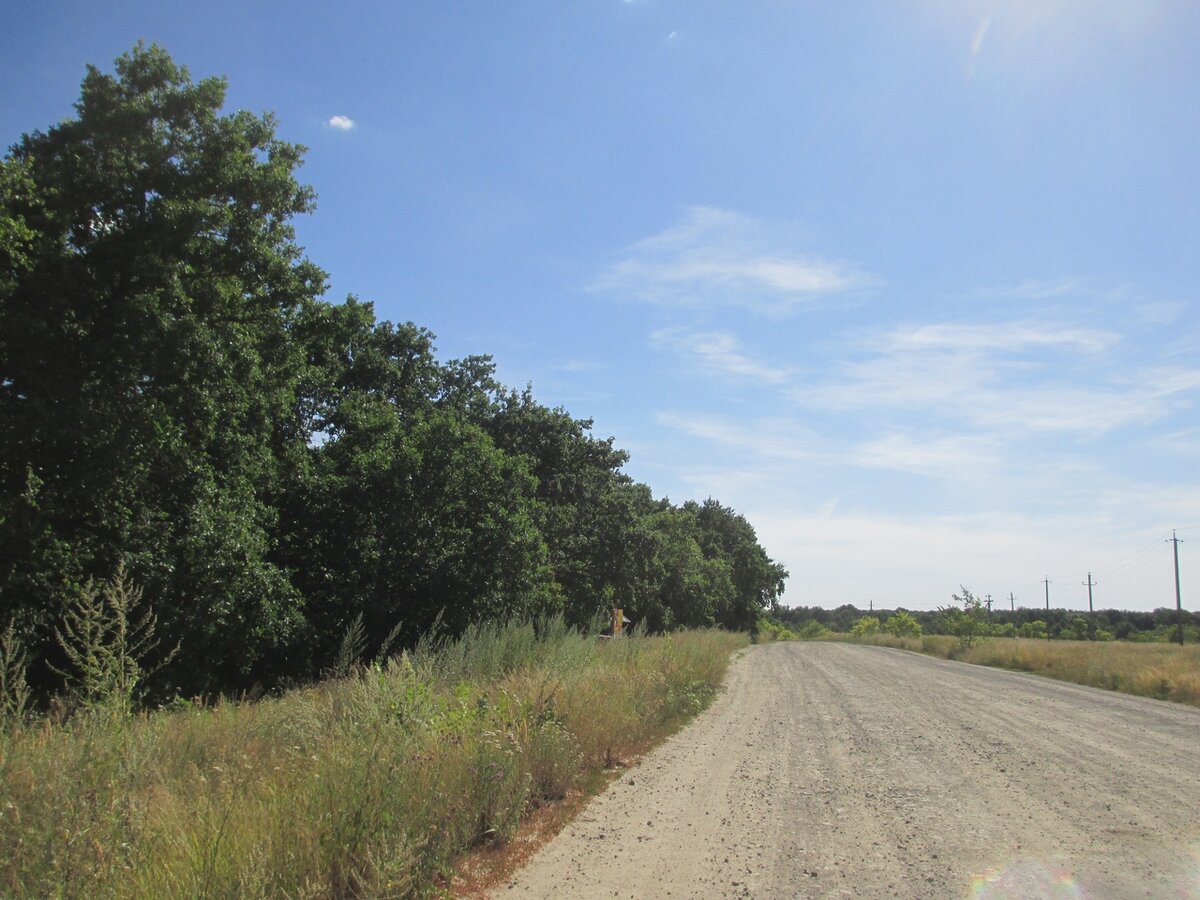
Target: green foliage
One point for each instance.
(774, 631)
(357, 787)
(1081, 628)
(902, 624)
(14, 689)
(176, 396)
(865, 626)
(1035, 629)
(812, 631)
(106, 637)
(967, 620)
(148, 378)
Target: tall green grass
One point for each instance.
(1164, 671)
(369, 785)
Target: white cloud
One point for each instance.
(1008, 336)
(1022, 377)
(718, 257)
(1184, 443)
(918, 561)
(777, 439)
(954, 456)
(980, 34)
(1160, 312)
(580, 365)
(1036, 289)
(341, 123)
(716, 351)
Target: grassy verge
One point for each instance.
(1163, 671)
(365, 786)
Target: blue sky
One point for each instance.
(910, 283)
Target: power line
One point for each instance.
(1150, 548)
(1159, 553)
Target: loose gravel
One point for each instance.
(835, 770)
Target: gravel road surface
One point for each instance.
(834, 770)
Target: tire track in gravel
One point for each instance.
(835, 770)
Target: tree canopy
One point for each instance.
(177, 398)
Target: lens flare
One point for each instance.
(1025, 879)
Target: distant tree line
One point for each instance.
(1064, 624)
(177, 399)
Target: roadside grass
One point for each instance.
(1162, 671)
(369, 785)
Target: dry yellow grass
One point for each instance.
(368, 786)
(1163, 671)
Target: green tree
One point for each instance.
(813, 630)
(1035, 629)
(277, 472)
(1081, 628)
(757, 579)
(966, 620)
(590, 513)
(690, 587)
(867, 625)
(150, 285)
(902, 624)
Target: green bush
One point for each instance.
(966, 620)
(813, 631)
(902, 624)
(865, 626)
(1035, 629)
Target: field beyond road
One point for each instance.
(828, 770)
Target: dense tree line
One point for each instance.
(176, 397)
(1067, 624)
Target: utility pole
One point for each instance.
(1178, 602)
(989, 602)
(1012, 602)
(1090, 584)
(1046, 581)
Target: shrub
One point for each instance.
(1035, 629)
(967, 620)
(813, 631)
(769, 630)
(865, 626)
(365, 785)
(106, 637)
(902, 624)
(14, 690)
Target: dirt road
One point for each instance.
(831, 770)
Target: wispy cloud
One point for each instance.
(763, 439)
(980, 34)
(1184, 443)
(341, 123)
(716, 351)
(1007, 336)
(977, 43)
(718, 257)
(1038, 289)
(1009, 376)
(580, 365)
(963, 456)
